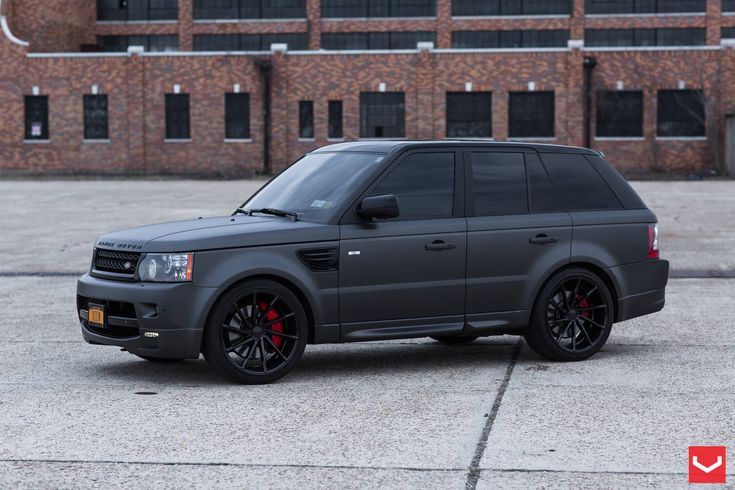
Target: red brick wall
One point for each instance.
(53, 25)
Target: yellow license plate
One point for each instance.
(96, 315)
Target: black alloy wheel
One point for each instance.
(572, 318)
(256, 333)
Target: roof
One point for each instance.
(388, 146)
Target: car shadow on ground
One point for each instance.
(335, 362)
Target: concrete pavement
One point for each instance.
(404, 414)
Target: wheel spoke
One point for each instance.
(233, 329)
(592, 308)
(588, 293)
(254, 308)
(558, 321)
(576, 289)
(277, 320)
(561, 334)
(250, 355)
(270, 306)
(564, 296)
(278, 351)
(234, 347)
(557, 306)
(574, 339)
(240, 316)
(280, 334)
(592, 322)
(262, 354)
(584, 331)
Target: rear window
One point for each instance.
(499, 181)
(579, 186)
(543, 198)
(617, 182)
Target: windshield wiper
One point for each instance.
(271, 211)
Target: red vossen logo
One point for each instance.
(707, 464)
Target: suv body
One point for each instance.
(388, 240)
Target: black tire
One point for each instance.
(160, 360)
(572, 316)
(259, 317)
(455, 339)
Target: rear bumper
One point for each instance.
(641, 288)
(156, 320)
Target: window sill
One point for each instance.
(93, 142)
(538, 138)
(511, 17)
(649, 14)
(387, 138)
(306, 140)
(681, 138)
(136, 22)
(620, 138)
(176, 140)
(335, 140)
(238, 140)
(469, 138)
(378, 19)
(245, 21)
(36, 142)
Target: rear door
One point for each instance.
(407, 275)
(517, 232)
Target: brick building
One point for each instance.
(182, 86)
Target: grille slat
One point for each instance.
(116, 262)
(320, 260)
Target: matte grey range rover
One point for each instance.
(452, 240)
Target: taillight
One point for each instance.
(653, 241)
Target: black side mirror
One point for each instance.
(379, 207)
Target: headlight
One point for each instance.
(166, 267)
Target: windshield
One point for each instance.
(316, 185)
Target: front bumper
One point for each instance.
(150, 319)
(641, 288)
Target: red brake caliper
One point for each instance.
(583, 303)
(271, 315)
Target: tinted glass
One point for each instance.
(531, 115)
(681, 113)
(335, 120)
(546, 38)
(177, 116)
(36, 120)
(499, 184)
(318, 185)
(543, 197)
(95, 117)
(306, 119)
(424, 185)
(382, 115)
(644, 6)
(578, 185)
(645, 37)
(237, 116)
(511, 7)
(378, 8)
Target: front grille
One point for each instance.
(116, 262)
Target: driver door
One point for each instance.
(406, 275)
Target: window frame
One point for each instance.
(229, 116)
(89, 123)
(168, 126)
(45, 135)
(306, 120)
(659, 118)
(600, 95)
(551, 136)
(123, 14)
(636, 9)
(241, 10)
(373, 9)
(502, 8)
(401, 109)
(334, 122)
(477, 94)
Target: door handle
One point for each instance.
(437, 245)
(542, 239)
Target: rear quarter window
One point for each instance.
(578, 185)
(619, 185)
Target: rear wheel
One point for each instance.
(256, 333)
(455, 339)
(572, 317)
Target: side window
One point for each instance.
(499, 183)
(543, 198)
(579, 186)
(424, 185)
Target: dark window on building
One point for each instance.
(123, 10)
(547, 38)
(249, 42)
(619, 113)
(681, 113)
(578, 184)
(382, 115)
(424, 185)
(645, 37)
(542, 195)
(728, 32)
(375, 40)
(469, 114)
(645, 6)
(511, 7)
(177, 117)
(728, 5)
(237, 116)
(306, 119)
(36, 108)
(531, 115)
(499, 181)
(95, 117)
(335, 130)
(152, 43)
(378, 8)
(249, 9)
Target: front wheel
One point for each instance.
(572, 317)
(256, 333)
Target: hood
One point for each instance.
(216, 233)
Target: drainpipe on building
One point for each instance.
(589, 64)
(266, 69)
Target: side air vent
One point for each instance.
(320, 259)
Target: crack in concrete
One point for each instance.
(473, 472)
